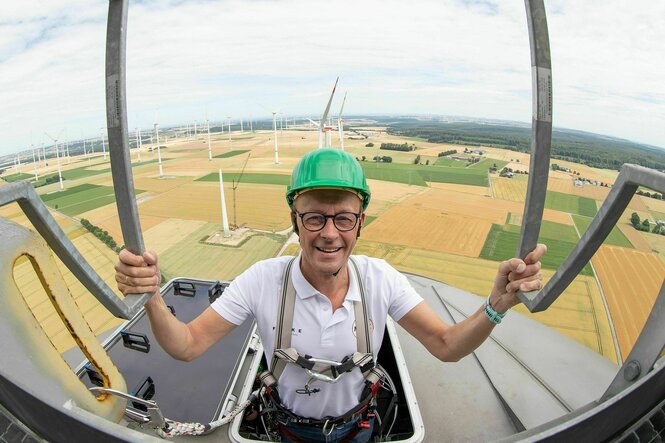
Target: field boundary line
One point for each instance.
(615, 340)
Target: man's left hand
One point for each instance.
(517, 275)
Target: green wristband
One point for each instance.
(491, 314)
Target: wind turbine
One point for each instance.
(324, 128)
(196, 131)
(229, 132)
(274, 128)
(210, 159)
(103, 145)
(138, 143)
(159, 152)
(57, 156)
(225, 217)
(34, 163)
(340, 124)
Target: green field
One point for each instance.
(266, 179)
(420, 174)
(194, 259)
(550, 230)
(17, 176)
(81, 198)
(451, 162)
(231, 153)
(572, 204)
(615, 238)
(369, 219)
(501, 245)
(487, 163)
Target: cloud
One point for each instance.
(198, 59)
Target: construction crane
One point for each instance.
(235, 184)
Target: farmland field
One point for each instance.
(501, 245)
(550, 230)
(578, 313)
(231, 153)
(615, 238)
(570, 203)
(463, 189)
(190, 258)
(420, 174)
(81, 198)
(269, 179)
(17, 176)
(511, 189)
(631, 280)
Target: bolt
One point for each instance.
(632, 370)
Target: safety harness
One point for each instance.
(322, 369)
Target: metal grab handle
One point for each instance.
(541, 130)
(116, 122)
(155, 417)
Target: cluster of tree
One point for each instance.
(645, 225)
(493, 168)
(655, 195)
(450, 152)
(384, 159)
(576, 146)
(47, 181)
(398, 147)
(369, 145)
(101, 234)
(416, 160)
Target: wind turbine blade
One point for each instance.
(341, 110)
(325, 113)
(313, 122)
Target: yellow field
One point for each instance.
(464, 189)
(387, 194)
(652, 204)
(631, 281)
(578, 313)
(102, 259)
(656, 242)
(163, 236)
(634, 236)
(510, 189)
(457, 234)
(566, 186)
(259, 206)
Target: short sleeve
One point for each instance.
(235, 304)
(404, 297)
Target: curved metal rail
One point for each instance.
(541, 130)
(118, 135)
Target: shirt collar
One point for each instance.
(305, 290)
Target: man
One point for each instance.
(328, 196)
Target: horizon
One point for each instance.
(224, 58)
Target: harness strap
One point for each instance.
(284, 353)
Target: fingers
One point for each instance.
(136, 274)
(531, 283)
(537, 253)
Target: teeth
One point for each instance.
(329, 250)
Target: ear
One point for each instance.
(361, 220)
(294, 221)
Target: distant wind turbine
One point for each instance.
(274, 129)
(103, 145)
(138, 144)
(159, 152)
(210, 156)
(57, 156)
(340, 124)
(324, 128)
(225, 217)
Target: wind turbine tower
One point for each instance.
(34, 163)
(340, 124)
(225, 217)
(18, 162)
(220, 171)
(241, 128)
(103, 145)
(138, 144)
(159, 152)
(57, 156)
(229, 132)
(274, 129)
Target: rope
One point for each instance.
(175, 428)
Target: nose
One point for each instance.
(329, 230)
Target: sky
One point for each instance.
(198, 60)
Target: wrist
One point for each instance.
(492, 315)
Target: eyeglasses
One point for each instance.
(314, 221)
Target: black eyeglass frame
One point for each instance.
(326, 217)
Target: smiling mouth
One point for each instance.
(328, 250)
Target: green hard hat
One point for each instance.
(328, 168)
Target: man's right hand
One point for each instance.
(136, 274)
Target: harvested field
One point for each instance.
(427, 228)
(652, 204)
(190, 258)
(259, 206)
(567, 186)
(231, 153)
(270, 179)
(387, 194)
(578, 313)
(102, 259)
(166, 234)
(631, 280)
(464, 189)
(158, 185)
(511, 189)
(635, 237)
(656, 242)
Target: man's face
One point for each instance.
(326, 251)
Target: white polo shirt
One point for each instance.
(317, 331)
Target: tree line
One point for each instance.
(645, 225)
(101, 234)
(405, 147)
